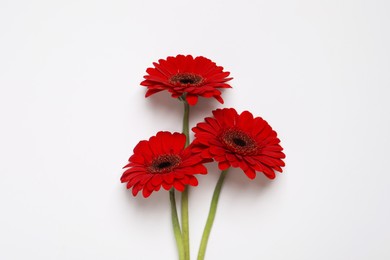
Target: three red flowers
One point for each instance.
(227, 137)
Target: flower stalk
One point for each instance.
(186, 116)
(184, 196)
(176, 226)
(211, 216)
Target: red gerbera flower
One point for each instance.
(186, 75)
(239, 141)
(162, 161)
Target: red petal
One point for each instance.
(137, 158)
(193, 181)
(146, 193)
(250, 173)
(223, 165)
(244, 166)
(235, 164)
(258, 125)
(200, 169)
(168, 66)
(179, 186)
(165, 140)
(267, 130)
(155, 144)
(269, 173)
(206, 127)
(231, 158)
(226, 117)
(127, 176)
(197, 149)
(219, 99)
(271, 161)
(150, 92)
(178, 141)
(217, 150)
(206, 154)
(245, 120)
(156, 180)
(192, 100)
(143, 149)
(273, 154)
(213, 123)
(166, 186)
(136, 189)
(250, 160)
(168, 178)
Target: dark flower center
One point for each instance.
(186, 79)
(164, 163)
(239, 142)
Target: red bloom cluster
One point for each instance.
(184, 75)
(239, 141)
(162, 161)
(231, 139)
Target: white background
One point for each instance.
(71, 111)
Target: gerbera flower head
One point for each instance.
(185, 76)
(162, 161)
(240, 141)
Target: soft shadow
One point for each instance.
(156, 202)
(165, 103)
(237, 186)
(204, 107)
(243, 188)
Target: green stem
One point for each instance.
(211, 216)
(184, 196)
(186, 117)
(184, 223)
(176, 225)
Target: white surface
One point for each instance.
(71, 111)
